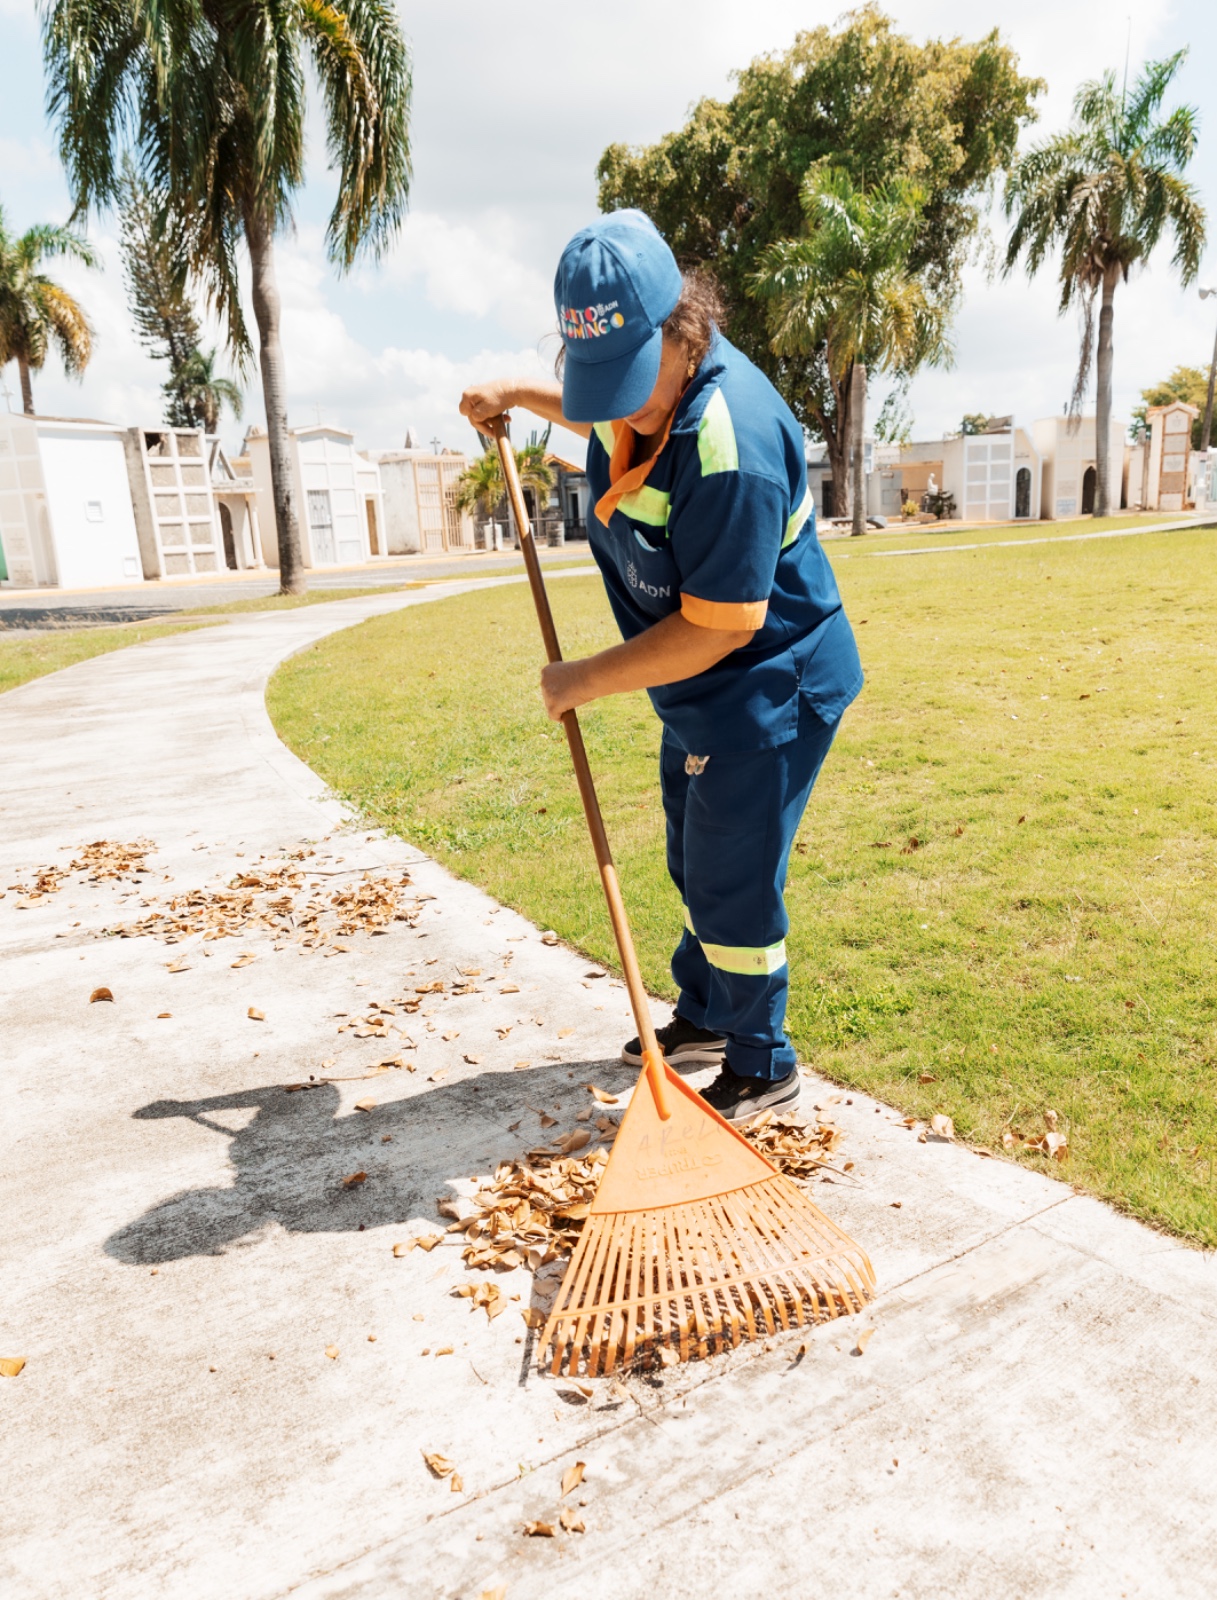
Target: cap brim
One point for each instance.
(605, 391)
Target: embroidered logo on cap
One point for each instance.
(590, 322)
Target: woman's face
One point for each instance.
(669, 386)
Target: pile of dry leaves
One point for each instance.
(531, 1210)
(272, 899)
(99, 862)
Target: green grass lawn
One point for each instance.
(945, 535)
(30, 655)
(1005, 878)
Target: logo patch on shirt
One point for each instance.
(590, 322)
(695, 765)
(656, 591)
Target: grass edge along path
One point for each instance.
(25, 656)
(1000, 896)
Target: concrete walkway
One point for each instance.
(1034, 1416)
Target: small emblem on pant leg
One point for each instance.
(695, 765)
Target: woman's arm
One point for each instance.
(482, 401)
(671, 651)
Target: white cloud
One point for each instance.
(473, 268)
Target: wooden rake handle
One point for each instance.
(587, 789)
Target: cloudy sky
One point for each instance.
(511, 112)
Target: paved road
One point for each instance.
(46, 609)
(1033, 1417)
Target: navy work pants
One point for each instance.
(731, 826)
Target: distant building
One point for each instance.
(571, 499)
(421, 513)
(1164, 472)
(337, 492)
(1070, 469)
(65, 504)
(193, 512)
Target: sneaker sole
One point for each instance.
(749, 1110)
(695, 1055)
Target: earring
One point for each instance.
(691, 369)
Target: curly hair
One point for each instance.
(693, 320)
(699, 311)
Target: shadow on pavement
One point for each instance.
(55, 618)
(290, 1158)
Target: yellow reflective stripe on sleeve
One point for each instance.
(604, 432)
(748, 961)
(689, 921)
(652, 506)
(716, 444)
(797, 519)
(732, 615)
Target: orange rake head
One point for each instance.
(694, 1241)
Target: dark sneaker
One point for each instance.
(739, 1100)
(682, 1044)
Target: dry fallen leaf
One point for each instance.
(178, 966)
(354, 1179)
(942, 1126)
(439, 1465)
(445, 1350)
(1051, 1120)
(365, 1105)
(1056, 1145)
(509, 988)
(494, 1594)
(573, 1477)
(602, 1095)
(255, 1015)
(539, 1530)
(453, 1033)
(926, 1077)
(473, 1060)
(245, 959)
(572, 1521)
(161, 1015)
(546, 1120)
(565, 1033)
(457, 1483)
(438, 1075)
(668, 1356)
(10, 1366)
(575, 1140)
(549, 937)
(331, 1351)
(533, 1316)
(428, 1241)
(100, 994)
(864, 1338)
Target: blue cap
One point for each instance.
(616, 284)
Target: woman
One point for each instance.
(704, 531)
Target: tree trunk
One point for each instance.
(835, 432)
(258, 235)
(857, 425)
(1102, 406)
(27, 388)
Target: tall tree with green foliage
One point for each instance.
(36, 313)
(198, 393)
(945, 115)
(1105, 191)
(844, 287)
(209, 97)
(156, 273)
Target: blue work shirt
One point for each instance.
(721, 527)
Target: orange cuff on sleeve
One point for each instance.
(731, 616)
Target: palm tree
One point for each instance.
(1105, 191)
(197, 393)
(844, 286)
(35, 311)
(210, 96)
(481, 486)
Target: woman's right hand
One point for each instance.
(483, 401)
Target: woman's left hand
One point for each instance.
(561, 688)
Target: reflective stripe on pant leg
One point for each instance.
(746, 960)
